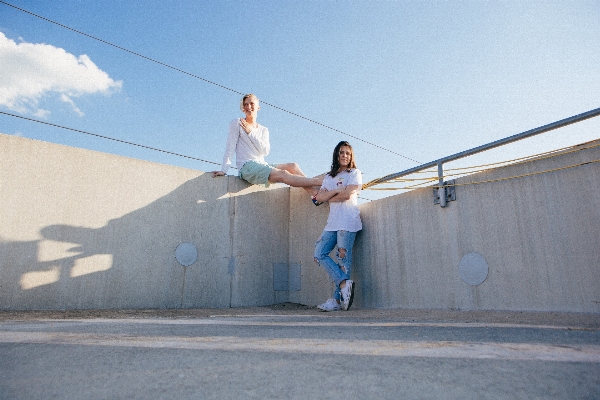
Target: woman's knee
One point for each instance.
(292, 168)
(319, 256)
(277, 175)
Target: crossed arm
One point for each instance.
(342, 194)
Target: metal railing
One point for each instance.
(440, 162)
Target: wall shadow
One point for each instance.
(130, 261)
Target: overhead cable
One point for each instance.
(109, 138)
(204, 79)
(123, 141)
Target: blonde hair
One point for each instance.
(244, 99)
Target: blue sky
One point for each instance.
(424, 79)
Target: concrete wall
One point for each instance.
(81, 229)
(538, 235)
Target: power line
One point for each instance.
(203, 79)
(122, 141)
(109, 138)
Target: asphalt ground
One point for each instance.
(290, 351)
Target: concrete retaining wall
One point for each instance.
(538, 234)
(83, 230)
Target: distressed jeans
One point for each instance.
(337, 272)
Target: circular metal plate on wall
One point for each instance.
(186, 254)
(473, 269)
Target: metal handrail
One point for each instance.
(439, 163)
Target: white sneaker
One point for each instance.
(330, 305)
(347, 294)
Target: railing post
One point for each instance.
(441, 188)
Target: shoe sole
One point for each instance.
(324, 310)
(351, 297)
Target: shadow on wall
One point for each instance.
(130, 261)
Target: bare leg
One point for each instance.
(292, 175)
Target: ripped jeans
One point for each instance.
(337, 272)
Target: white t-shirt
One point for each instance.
(344, 215)
(246, 146)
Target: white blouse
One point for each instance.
(246, 146)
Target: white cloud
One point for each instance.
(66, 99)
(29, 71)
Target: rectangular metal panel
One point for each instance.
(280, 277)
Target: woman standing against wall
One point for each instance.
(340, 188)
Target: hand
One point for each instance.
(245, 125)
(217, 173)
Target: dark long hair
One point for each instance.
(335, 162)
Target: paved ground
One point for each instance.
(292, 351)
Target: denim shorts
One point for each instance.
(256, 172)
